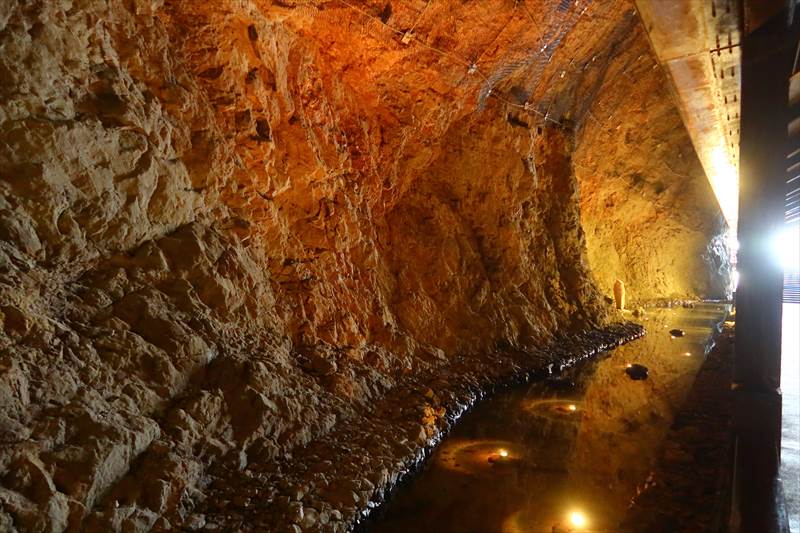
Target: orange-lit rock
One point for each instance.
(227, 226)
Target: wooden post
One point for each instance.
(767, 60)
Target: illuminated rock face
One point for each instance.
(227, 225)
(648, 211)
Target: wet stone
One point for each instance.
(196, 521)
(637, 372)
(310, 517)
(560, 383)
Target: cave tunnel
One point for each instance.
(399, 266)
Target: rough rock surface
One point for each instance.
(649, 214)
(226, 227)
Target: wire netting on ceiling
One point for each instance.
(566, 14)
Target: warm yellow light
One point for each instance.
(724, 178)
(628, 365)
(687, 354)
(577, 519)
(503, 453)
(572, 407)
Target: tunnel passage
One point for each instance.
(227, 230)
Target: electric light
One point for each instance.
(786, 248)
(687, 354)
(577, 519)
(572, 407)
(733, 243)
(724, 178)
(628, 365)
(503, 453)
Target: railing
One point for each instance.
(791, 287)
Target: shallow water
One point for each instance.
(554, 453)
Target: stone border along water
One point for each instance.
(622, 332)
(337, 482)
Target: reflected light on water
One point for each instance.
(585, 461)
(550, 408)
(527, 521)
(477, 457)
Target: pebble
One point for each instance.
(196, 521)
(295, 512)
(637, 372)
(241, 501)
(310, 517)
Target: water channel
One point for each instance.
(564, 455)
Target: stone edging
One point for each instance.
(336, 482)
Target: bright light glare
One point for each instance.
(734, 279)
(724, 178)
(572, 407)
(786, 248)
(503, 453)
(732, 243)
(577, 519)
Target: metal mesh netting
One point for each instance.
(537, 57)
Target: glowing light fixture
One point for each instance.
(572, 407)
(502, 452)
(628, 365)
(786, 248)
(577, 519)
(687, 354)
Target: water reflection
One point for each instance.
(575, 456)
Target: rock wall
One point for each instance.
(224, 228)
(650, 216)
